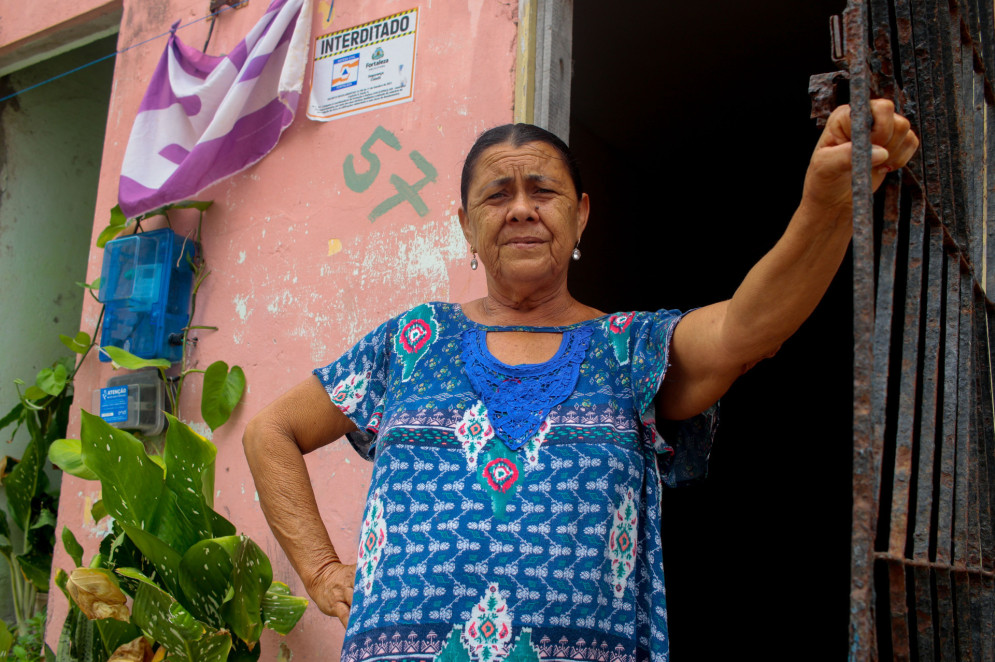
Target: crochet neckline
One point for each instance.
(520, 397)
(562, 328)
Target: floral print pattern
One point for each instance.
(487, 635)
(474, 432)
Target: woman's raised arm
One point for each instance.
(713, 346)
(275, 441)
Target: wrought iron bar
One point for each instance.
(865, 454)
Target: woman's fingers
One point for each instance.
(333, 592)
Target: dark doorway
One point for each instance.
(692, 124)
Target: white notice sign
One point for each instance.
(366, 67)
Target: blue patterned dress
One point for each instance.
(514, 511)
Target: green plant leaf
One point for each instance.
(124, 359)
(116, 225)
(281, 609)
(222, 391)
(7, 550)
(220, 525)
(22, 484)
(6, 640)
(34, 393)
(12, 416)
(117, 216)
(36, 568)
(52, 380)
(95, 285)
(189, 460)
(187, 639)
(164, 558)
(108, 233)
(136, 574)
(79, 344)
(98, 512)
(251, 578)
(67, 454)
(159, 462)
(206, 576)
(73, 548)
(45, 518)
(131, 484)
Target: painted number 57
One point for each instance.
(360, 181)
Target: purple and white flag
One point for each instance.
(204, 118)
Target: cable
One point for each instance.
(123, 50)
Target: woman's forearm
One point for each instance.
(785, 286)
(287, 498)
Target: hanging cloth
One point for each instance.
(205, 118)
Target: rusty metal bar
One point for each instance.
(910, 76)
(962, 515)
(865, 455)
(905, 434)
(936, 138)
(887, 264)
(949, 39)
(924, 534)
(947, 441)
(986, 476)
(989, 198)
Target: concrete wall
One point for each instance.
(50, 143)
(298, 272)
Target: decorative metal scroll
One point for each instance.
(923, 564)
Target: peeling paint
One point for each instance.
(241, 257)
(240, 302)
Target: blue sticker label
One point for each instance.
(114, 404)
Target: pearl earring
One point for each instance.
(473, 262)
(575, 256)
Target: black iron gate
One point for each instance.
(922, 580)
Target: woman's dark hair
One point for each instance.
(517, 135)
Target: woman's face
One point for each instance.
(522, 213)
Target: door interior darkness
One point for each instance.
(692, 124)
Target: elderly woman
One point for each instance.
(519, 441)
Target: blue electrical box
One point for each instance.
(145, 282)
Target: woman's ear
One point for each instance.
(464, 222)
(583, 211)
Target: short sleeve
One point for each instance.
(357, 384)
(682, 447)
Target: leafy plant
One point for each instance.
(199, 590)
(27, 528)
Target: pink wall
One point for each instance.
(285, 302)
(26, 21)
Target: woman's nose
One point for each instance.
(522, 209)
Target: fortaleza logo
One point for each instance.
(378, 59)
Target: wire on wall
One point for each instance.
(123, 50)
